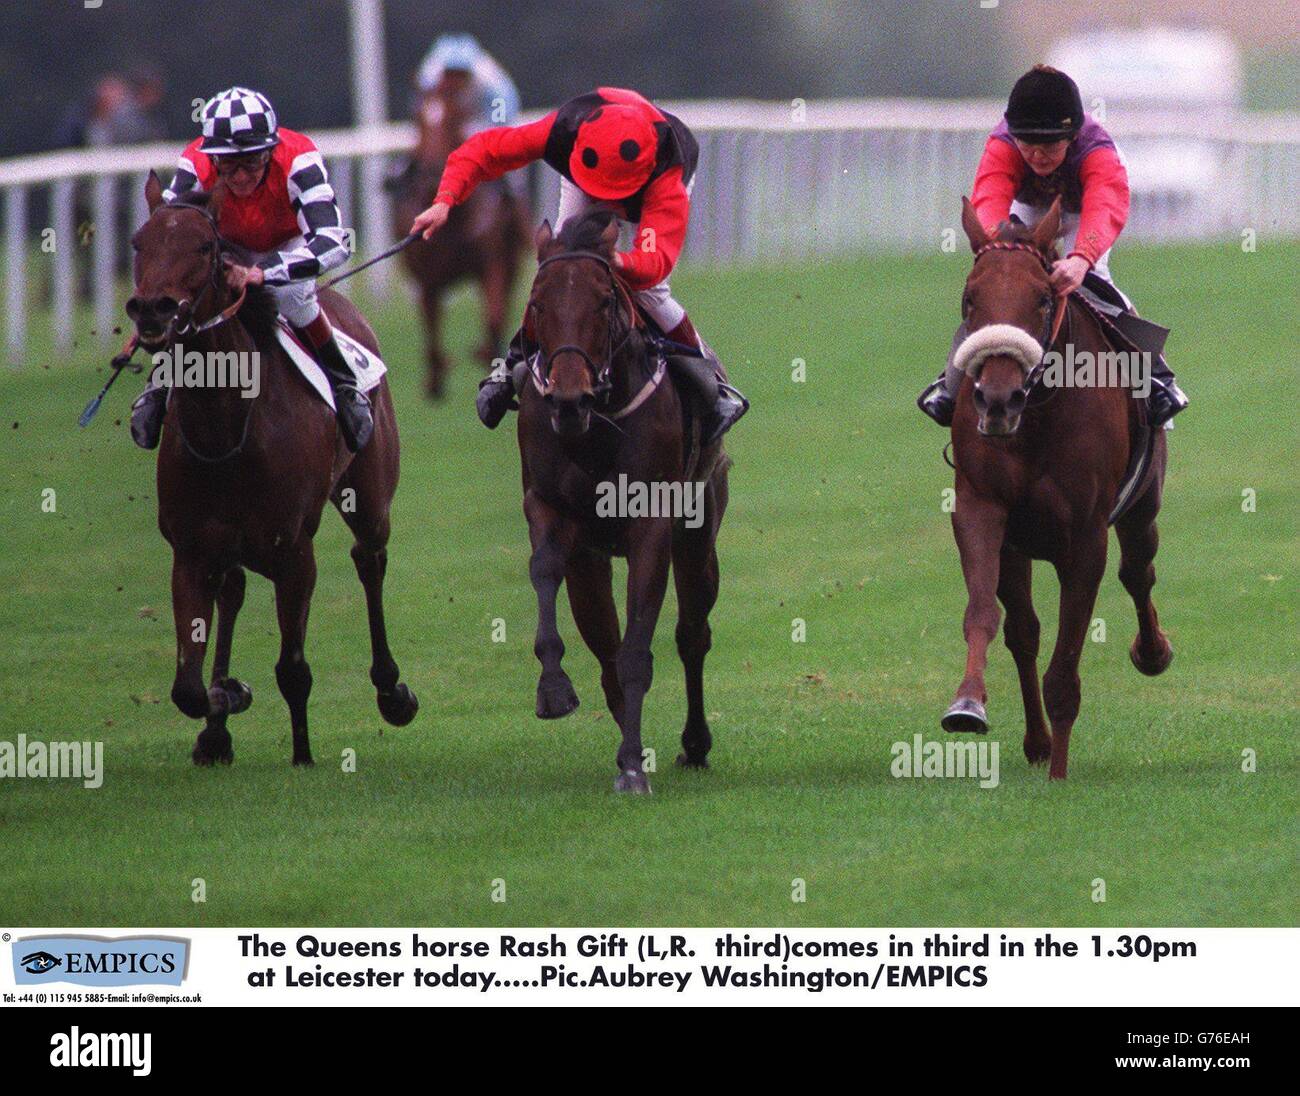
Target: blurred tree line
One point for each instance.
(53, 52)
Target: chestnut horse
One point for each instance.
(483, 238)
(1038, 472)
(242, 482)
(594, 410)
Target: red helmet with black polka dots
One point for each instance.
(615, 151)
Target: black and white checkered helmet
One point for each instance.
(238, 120)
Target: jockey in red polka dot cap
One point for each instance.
(615, 150)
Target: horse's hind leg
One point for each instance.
(295, 579)
(1080, 575)
(1021, 633)
(591, 598)
(226, 695)
(552, 540)
(1138, 541)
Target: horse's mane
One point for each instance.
(1015, 231)
(584, 233)
(259, 311)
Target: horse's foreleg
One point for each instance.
(979, 526)
(1138, 541)
(552, 540)
(696, 577)
(295, 578)
(1080, 575)
(193, 590)
(591, 597)
(649, 552)
(397, 703)
(226, 696)
(1021, 633)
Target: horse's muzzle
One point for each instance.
(154, 318)
(570, 416)
(999, 411)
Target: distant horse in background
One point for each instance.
(483, 238)
(1038, 473)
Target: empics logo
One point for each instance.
(99, 961)
(39, 962)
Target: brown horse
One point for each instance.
(594, 411)
(1038, 472)
(242, 482)
(482, 239)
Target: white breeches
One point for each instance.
(658, 299)
(296, 301)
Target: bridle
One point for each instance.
(189, 327)
(617, 301)
(175, 326)
(1052, 325)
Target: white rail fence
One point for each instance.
(775, 182)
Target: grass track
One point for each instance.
(835, 519)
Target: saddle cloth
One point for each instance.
(368, 368)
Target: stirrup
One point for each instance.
(1165, 401)
(728, 411)
(936, 402)
(355, 418)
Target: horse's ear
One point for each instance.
(544, 237)
(970, 223)
(153, 191)
(1045, 231)
(609, 237)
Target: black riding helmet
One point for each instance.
(1045, 106)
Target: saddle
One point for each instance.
(1130, 333)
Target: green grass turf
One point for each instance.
(835, 519)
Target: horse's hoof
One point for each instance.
(966, 715)
(632, 780)
(1152, 667)
(689, 761)
(230, 697)
(213, 744)
(398, 707)
(304, 762)
(1036, 752)
(556, 699)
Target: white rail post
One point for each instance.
(65, 262)
(104, 214)
(369, 77)
(16, 272)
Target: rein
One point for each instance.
(539, 366)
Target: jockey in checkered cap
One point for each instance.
(614, 150)
(1046, 146)
(278, 205)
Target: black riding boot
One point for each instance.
(496, 391)
(147, 415)
(1166, 398)
(352, 407)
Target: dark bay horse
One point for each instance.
(482, 240)
(242, 482)
(597, 410)
(1038, 472)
